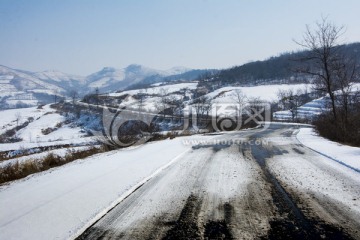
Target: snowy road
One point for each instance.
(278, 189)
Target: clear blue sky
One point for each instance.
(83, 36)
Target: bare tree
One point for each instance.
(291, 100)
(141, 97)
(323, 45)
(18, 118)
(97, 92)
(255, 111)
(281, 94)
(74, 95)
(163, 92)
(334, 71)
(185, 91)
(56, 92)
(163, 102)
(202, 107)
(174, 104)
(240, 99)
(346, 72)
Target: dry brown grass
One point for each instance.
(18, 170)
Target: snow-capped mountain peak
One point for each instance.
(142, 70)
(108, 69)
(112, 79)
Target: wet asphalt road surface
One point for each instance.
(228, 191)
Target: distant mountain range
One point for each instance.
(25, 86)
(107, 79)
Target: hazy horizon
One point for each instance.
(82, 37)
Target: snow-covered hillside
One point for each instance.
(263, 92)
(22, 80)
(168, 89)
(113, 79)
(10, 118)
(307, 111)
(185, 92)
(45, 127)
(57, 76)
(311, 109)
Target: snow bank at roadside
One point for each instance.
(26, 145)
(346, 155)
(38, 156)
(60, 203)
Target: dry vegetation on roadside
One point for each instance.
(20, 170)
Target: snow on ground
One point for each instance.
(33, 132)
(57, 76)
(35, 157)
(219, 96)
(15, 102)
(311, 109)
(149, 104)
(322, 182)
(26, 145)
(7, 89)
(346, 155)
(307, 111)
(8, 117)
(264, 92)
(158, 89)
(335, 187)
(62, 202)
(227, 95)
(157, 84)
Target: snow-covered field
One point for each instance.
(8, 117)
(263, 92)
(33, 134)
(225, 95)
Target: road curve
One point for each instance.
(268, 187)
